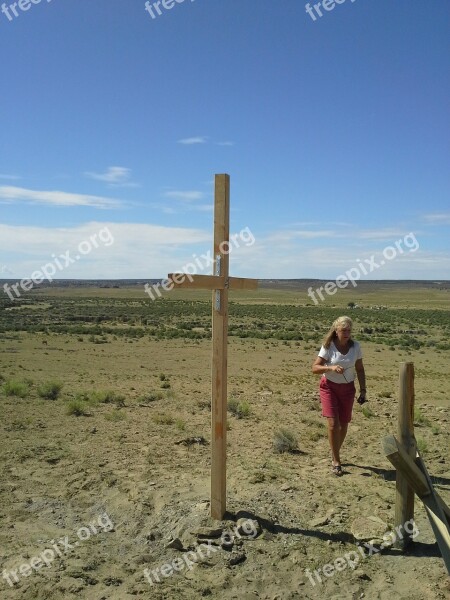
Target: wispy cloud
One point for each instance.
(150, 250)
(183, 208)
(203, 139)
(200, 139)
(287, 236)
(139, 250)
(385, 233)
(11, 194)
(438, 218)
(114, 177)
(340, 231)
(185, 196)
(9, 177)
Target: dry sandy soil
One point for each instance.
(121, 460)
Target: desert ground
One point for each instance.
(105, 446)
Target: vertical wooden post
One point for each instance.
(404, 505)
(219, 351)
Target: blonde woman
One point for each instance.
(338, 360)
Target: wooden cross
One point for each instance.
(219, 283)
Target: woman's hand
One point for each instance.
(338, 369)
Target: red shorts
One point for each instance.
(337, 399)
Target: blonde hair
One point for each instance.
(338, 324)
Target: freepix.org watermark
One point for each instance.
(59, 263)
(10, 11)
(154, 9)
(248, 529)
(353, 558)
(354, 274)
(326, 5)
(200, 263)
(58, 548)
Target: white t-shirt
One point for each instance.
(332, 357)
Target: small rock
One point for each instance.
(286, 487)
(176, 543)
(144, 558)
(207, 532)
(153, 536)
(319, 521)
(359, 573)
(236, 558)
(369, 529)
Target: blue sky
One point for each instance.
(335, 132)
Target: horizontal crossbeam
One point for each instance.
(211, 282)
(406, 465)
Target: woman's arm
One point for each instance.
(319, 367)
(361, 374)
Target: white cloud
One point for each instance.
(182, 208)
(55, 198)
(138, 251)
(200, 139)
(114, 177)
(150, 251)
(438, 218)
(288, 236)
(225, 143)
(347, 231)
(269, 259)
(184, 195)
(388, 234)
(9, 177)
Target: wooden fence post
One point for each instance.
(404, 504)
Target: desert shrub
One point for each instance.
(163, 419)
(240, 410)
(367, 412)
(285, 441)
(165, 385)
(162, 377)
(316, 432)
(204, 404)
(151, 397)
(386, 394)
(77, 408)
(180, 424)
(15, 388)
(419, 419)
(108, 397)
(50, 390)
(115, 415)
(422, 446)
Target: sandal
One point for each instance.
(337, 470)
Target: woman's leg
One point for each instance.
(334, 437)
(343, 432)
(329, 396)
